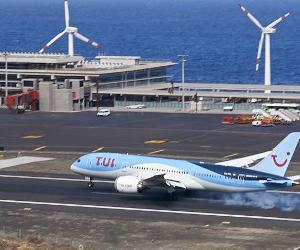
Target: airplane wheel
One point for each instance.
(172, 196)
(91, 185)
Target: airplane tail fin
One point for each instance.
(279, 159)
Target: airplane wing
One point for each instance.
(162, 180)
(244, 161)
(165, 180)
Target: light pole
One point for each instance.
(6, 83)
(97, 88)
(182, 58)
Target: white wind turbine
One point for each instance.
(265, 33)
(72, 31)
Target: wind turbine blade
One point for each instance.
(251, 17)
(260, 44)
(52, 41)
(271, 25)
(87, 40)
(67, 13)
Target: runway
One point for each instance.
(36, 194)
(72, 194)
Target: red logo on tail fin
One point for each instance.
(279, 165)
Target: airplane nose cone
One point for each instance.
(76, 165)
(72, 167)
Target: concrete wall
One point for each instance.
(78, 101)
(63, 100)
(46, 96)
(76, 87)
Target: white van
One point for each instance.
(103, 112)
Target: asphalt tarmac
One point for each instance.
(193, 207)
(189, 136)
(60, 208)
(176, 135)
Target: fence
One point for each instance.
(154, 105)
(191, 105)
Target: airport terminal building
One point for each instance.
(70, 83)
(60, 82)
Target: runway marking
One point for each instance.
(228, 156)
(12, 162)
(39, 148)
(204, 146)
(97, 150)
(151, 210)
(226, 222)
(156, 141)
(32, 136)
(155, 152)
(51, 178)
(108, 181)
(173, 141)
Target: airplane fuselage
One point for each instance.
(188, 175)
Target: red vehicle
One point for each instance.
(18, 102)
(243, 119)
(228, 120)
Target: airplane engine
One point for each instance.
(129, 185)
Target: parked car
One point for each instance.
(263, 123)
(103, 112)
(20, 109)
(227, 108)
(256, 123)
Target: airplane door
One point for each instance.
(125, 166)
(241, 177)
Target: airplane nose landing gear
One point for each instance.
(91, 184)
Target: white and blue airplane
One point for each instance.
(135, 174)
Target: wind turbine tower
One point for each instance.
(72, 31)
(265, 36)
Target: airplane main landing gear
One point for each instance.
(171, 194)
(91, 183)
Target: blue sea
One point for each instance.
(220, 41)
